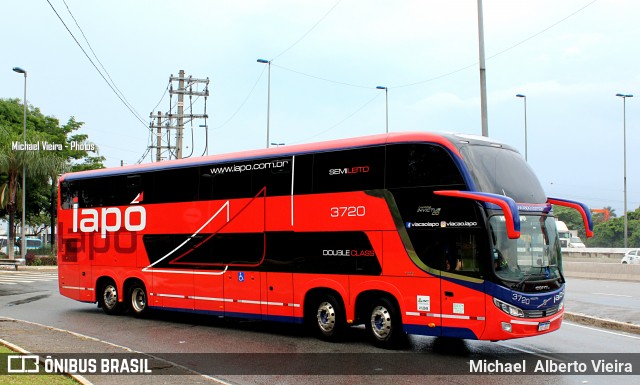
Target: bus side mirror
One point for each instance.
(581, 208)
(508, 206)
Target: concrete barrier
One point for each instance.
(601, 270)
(593, 253)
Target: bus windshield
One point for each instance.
(535, 256)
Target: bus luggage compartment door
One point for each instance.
(462, 309)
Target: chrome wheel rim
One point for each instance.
(110, 296)
(138, 300)
(381, 322)
(326, 317)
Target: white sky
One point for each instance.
(569, 68)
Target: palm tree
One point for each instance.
(39, 163)
(612, 211)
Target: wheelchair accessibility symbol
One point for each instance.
(241, 276)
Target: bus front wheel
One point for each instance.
(138, 300)
(329, 318)
(384, 324)
(108, 299)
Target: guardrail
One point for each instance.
(12, 262)
(598, 263)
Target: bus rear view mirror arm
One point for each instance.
(581, 208)
(508, 206)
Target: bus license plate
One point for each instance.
(544, 326)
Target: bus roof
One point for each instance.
(449, 141)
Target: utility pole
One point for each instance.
(176, 121)
(159, 138)
(180, 114)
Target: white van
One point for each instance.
(576, 242)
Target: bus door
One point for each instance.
(75, 262)
(242, 278)
(462, 290)
(243, 257)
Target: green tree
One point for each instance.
(13, 161)
(42, 180)
(611, 232)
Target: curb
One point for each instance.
(602, 323)
(80, 379)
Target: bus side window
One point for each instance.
(468, 251)
(275, 178)
(430, 248)
(414, 165)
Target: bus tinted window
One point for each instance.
(107, 191)
(177, 185)
(303, 181)
(273, 175)
(504, 172)
(412, 165)
(349, 170)
(229, 180)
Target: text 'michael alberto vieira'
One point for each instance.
(549, 366)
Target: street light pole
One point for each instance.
(624, 154)
(525, 123)
(23, 240)
(483, 73)
(386, 103)
(268, 63)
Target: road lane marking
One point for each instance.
(600, 330)
(613, 295)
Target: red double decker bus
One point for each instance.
(406, 233)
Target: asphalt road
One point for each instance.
(617, 300)
(286, 348)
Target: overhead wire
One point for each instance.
(342, 121)
(304, 35)
(450, 72)
(422, 81)
(308, 31)
(98, 59)
(96, 67)
(244, 101)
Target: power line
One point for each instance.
(98, 59)
(308, 32)
(451, 72)
(321, 78)
(342, 121)
(97, 69)
(161, 98)
(264, 68)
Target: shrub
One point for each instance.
(30, 259)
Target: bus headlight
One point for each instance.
(509, 309)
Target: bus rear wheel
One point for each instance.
(108, 299)
(138, 300)
(384, 325)
(329, 318)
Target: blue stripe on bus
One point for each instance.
(439, 331)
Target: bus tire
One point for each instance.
(138, 300)
(384, 324)
(108, 299)
(329, 318)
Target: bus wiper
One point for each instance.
(520, 284)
